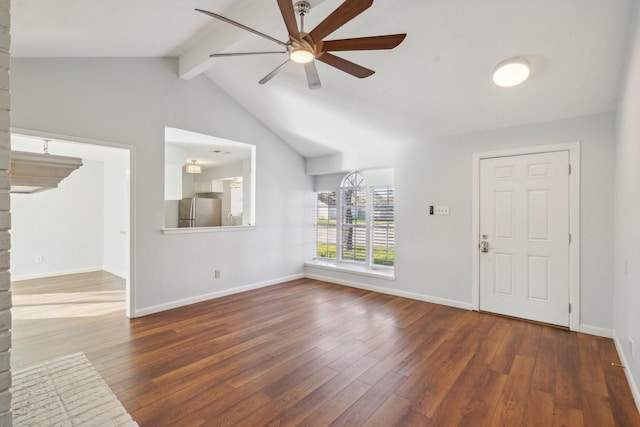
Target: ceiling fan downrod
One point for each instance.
(302, 9)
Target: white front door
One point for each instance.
(524, 235)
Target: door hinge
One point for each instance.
(569, 168)
(569, 308)
(569, 238)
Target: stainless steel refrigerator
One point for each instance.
(199, 212)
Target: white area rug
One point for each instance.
(65, 392)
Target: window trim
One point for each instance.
(339, 261)
(371, 223)
(330, 264)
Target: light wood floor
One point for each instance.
(315, 354)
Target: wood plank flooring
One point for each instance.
(310, 353)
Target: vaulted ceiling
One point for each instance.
(437, 82)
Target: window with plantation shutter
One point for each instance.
(353, 219)
(326, 233)
(382, 230)
(355, 225)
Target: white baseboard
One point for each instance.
(18, 278)
(596, 330)
(200, 298)
(627, 370)
(394, 292)
(116, 272)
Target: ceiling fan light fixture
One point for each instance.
(302, 56)
(511, 72)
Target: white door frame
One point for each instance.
(130, 305)
(574, 221)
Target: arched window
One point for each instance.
(355, 224)
(353, 218)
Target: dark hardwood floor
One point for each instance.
(310, 353)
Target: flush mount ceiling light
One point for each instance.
(511, 72)
(193, 168)
(302, 56)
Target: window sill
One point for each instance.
(220, 229)
(351, 268)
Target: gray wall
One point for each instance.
(130, 101)
(627, 216)
(64, 226)
(433, 258)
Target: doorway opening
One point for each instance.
(81, 229)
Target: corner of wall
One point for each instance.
(626, 318)
(623, 358)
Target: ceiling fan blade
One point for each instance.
(343, 14)
(312, 75)
(344, 65)
(362, 43)
(220, 55)
(272, 74)
(289, 16)
(239, 25)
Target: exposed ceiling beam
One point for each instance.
(263, 16)
(196, 60)
(222, 37)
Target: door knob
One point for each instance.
(484, 246)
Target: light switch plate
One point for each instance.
(441, 210)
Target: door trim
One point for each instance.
(130, 303)
(574, 221)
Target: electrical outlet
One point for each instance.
(217, 274)
(631, 347)
(441, 210)
(38, 259)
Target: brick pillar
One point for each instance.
(5, 217)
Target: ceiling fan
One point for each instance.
(304, 48)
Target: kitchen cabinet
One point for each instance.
(213, 186)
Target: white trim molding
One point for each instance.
(596, 330)
(217, 229)
(206, 297)
(387, 274)
(627, 370)
(55, 273)
(389, 291)
(574, 221)
(130, 278)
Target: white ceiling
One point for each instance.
(208, 151)
(437, 82)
